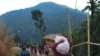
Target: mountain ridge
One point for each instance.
(21, 20)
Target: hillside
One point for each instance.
(21, 23)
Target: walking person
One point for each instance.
(35, 49)
(31, 49)
(24, 52)
(61, 46)
(40, 49)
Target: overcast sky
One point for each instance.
(9, 5)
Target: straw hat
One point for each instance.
(50, 37)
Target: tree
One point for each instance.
(17, 39)
(79, 35)
(93, 7)
(37, 15)
(95, 34)
(61, 28)
(95, 25)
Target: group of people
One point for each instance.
(60, 46)
(32, 50)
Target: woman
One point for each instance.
(60, 45)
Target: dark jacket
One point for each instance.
(25, 53)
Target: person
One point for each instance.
(31, 49)
(60, 46)
(40, 49)
(28, 48)
(35, 49)
(54, 46)
(24, 52)
(46, 49)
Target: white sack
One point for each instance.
(64, 47)
(59, 38)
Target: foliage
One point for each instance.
(37, 15)
(17, 39)
(95, 30)
(79, 36)
(94, 7)
(61, 28)
(6, 44)
(95, 26)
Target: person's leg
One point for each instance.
(40, 52)
(46, 53)
(34, 52)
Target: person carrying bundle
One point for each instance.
(61, 45)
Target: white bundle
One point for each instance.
(62, 48)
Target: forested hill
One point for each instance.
(55, 16)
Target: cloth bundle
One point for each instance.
(64, 47)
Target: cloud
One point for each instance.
(15, 4)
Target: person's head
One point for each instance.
(23, 48)
(27, 46)
(50, 42)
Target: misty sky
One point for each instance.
(9, 5)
